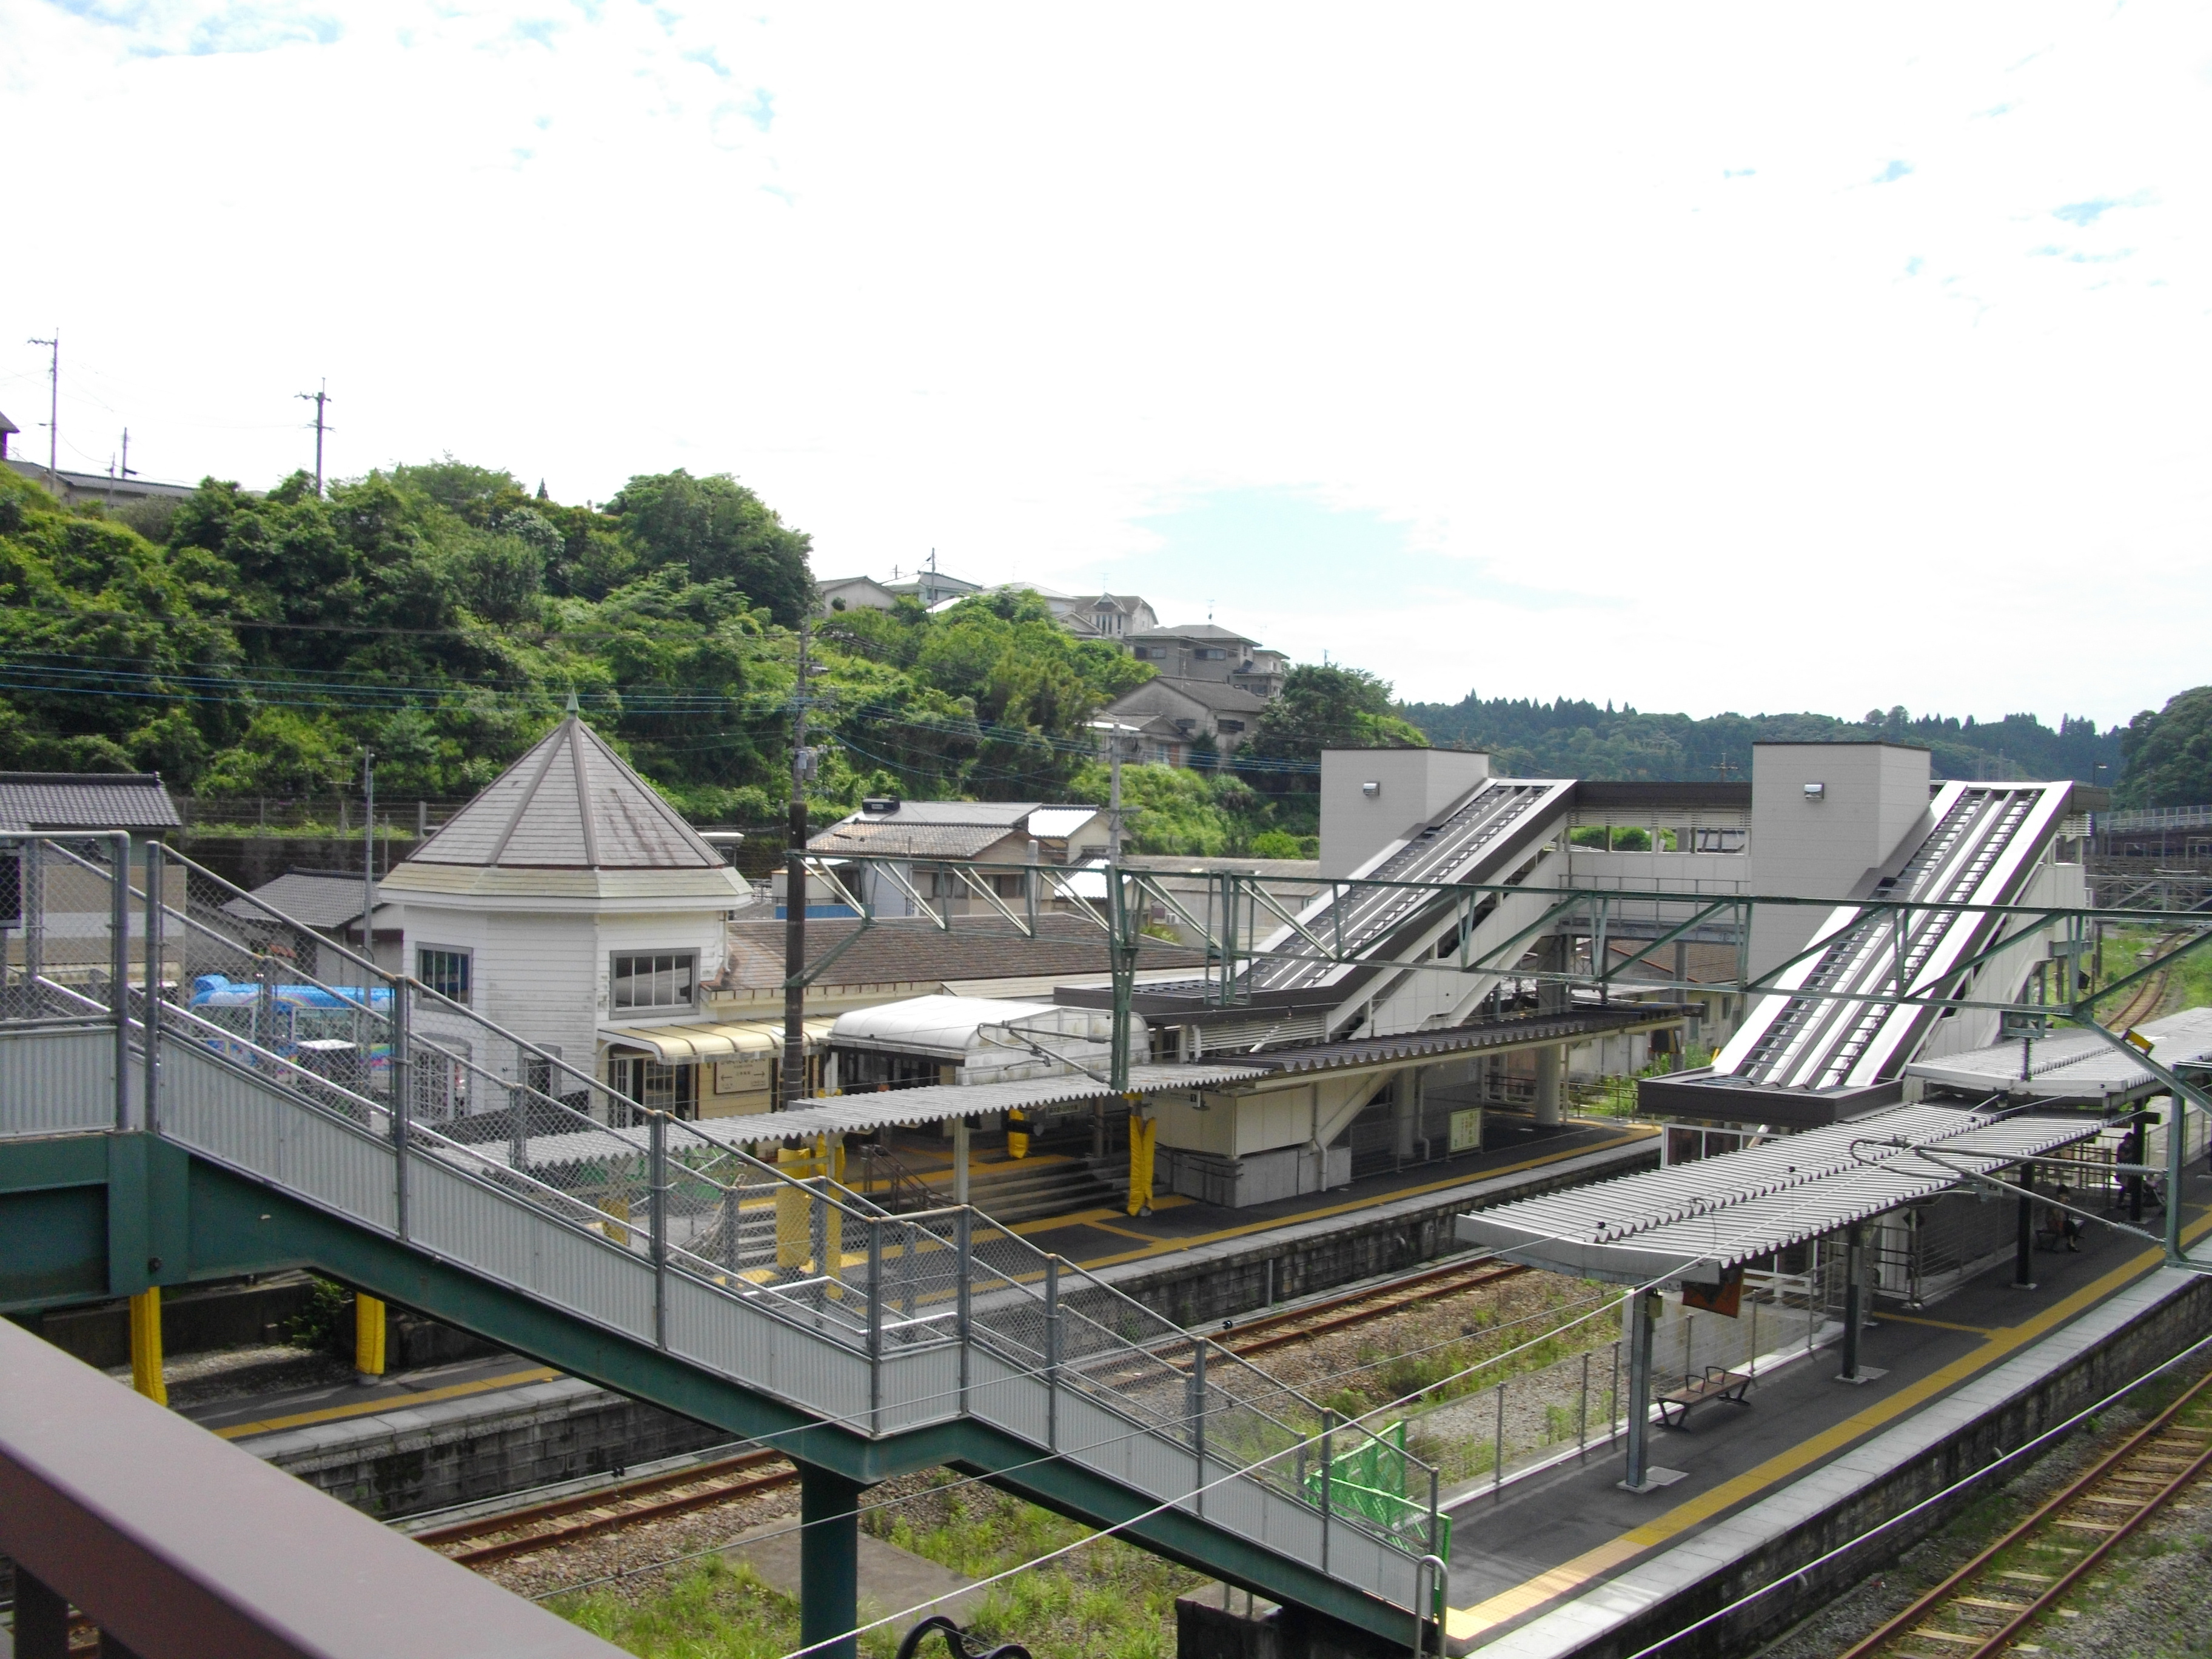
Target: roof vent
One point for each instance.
(879, 806)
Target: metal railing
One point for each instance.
(295, 1059)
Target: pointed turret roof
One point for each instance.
(569, 804)
(568, 823)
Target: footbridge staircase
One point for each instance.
(178, 1102)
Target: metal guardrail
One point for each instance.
(377, 1100)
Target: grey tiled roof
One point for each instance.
(320, 898)
(1217, 694)
(569, 804)
(85, 800)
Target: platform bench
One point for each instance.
(1717, 1383)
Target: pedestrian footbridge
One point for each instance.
(151, 1134)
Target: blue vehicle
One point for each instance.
(316, 1027)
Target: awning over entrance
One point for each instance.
(1694, 1221)
(678, 1045)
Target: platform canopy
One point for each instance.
(2069, 1064)
(1694, 1221)
(848, 1115)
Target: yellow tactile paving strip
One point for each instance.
(391, 1402)
(1463, 1624)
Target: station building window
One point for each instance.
(444, 969)
(648, 981)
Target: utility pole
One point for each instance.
(53, 412)
(794, 887)
(367, 852)
(126, 471)
(320, 396)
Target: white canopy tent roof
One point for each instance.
(1694, 1221)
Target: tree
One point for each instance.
(720, 531)
(2166, 756)
(1326, 707)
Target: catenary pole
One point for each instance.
(794, 890)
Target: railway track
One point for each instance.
(533, 1527)
(2145, 1001)
(1357, 1306)
(1988, 1604)
(561, 1521)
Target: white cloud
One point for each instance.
(1663, 397)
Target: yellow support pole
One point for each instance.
(368, 1338)
(1143, 1131)
(146, 1345)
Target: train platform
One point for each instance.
(1565, 1561)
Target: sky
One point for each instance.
(1705, 358)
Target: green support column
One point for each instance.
(829, 1562)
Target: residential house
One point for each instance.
(1174, 716)
(7, 427)
(71, 487)
(930, 585)
(1204, 651)
(1116, 617)
(834, 593)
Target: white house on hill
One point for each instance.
(573, 905)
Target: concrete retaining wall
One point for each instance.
(456, 1451)
(1208, 1283)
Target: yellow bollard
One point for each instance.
(618, 1210)
(1018, 1134)
(368, 1338)
(146, 1345)
(1143, 1131)
(794, 1244)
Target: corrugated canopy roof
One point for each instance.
(925, 840)
(1694, 1220)
(847, 1114)
(570, 804)
(2074, 1064)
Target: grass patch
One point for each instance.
(714, 1609)
(1106, 1601)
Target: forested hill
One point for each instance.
(251, 645)
(1569, 738)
